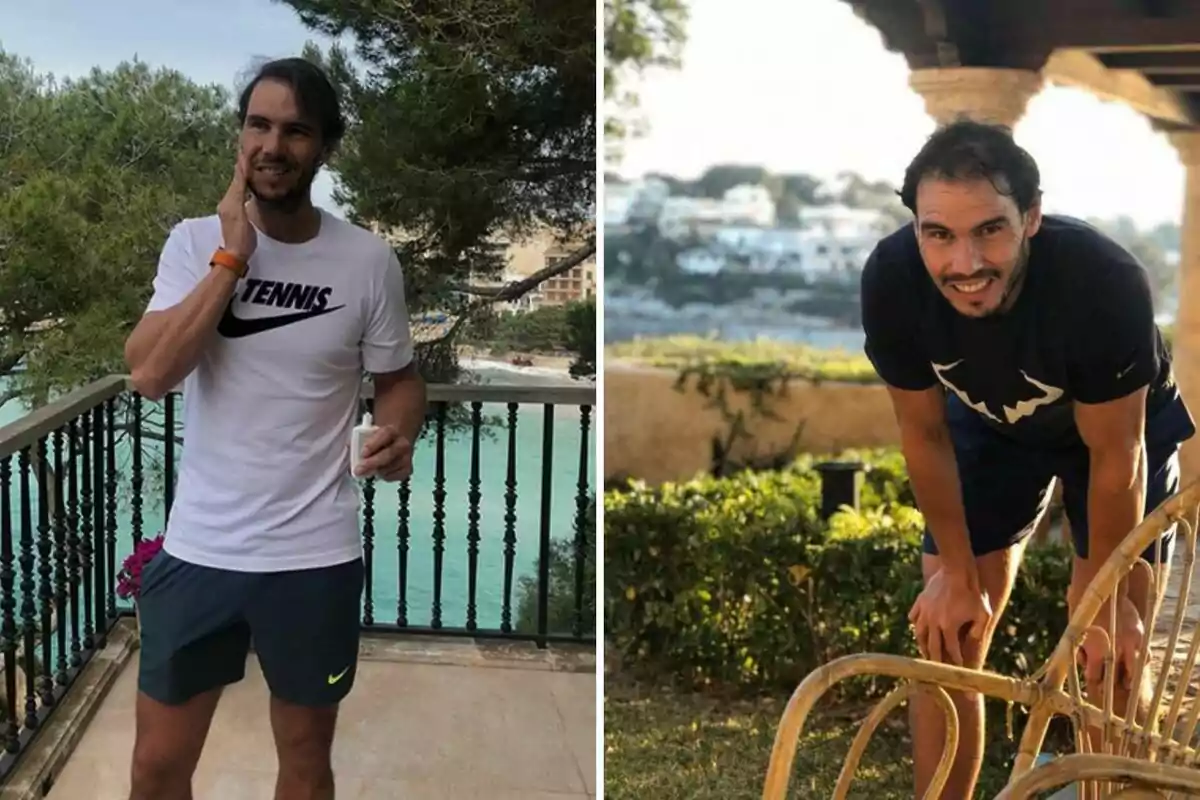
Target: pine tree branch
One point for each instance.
(515, 289)
(510, 291)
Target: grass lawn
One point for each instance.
(666, 745)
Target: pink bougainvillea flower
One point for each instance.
(129, 579)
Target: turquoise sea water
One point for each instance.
(493, 474)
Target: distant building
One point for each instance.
(742, 205)
(843, 222)
(738, 232)
(523, 258)
(527, 256)
(833, 245)
(701, 261)
(627, 204)
(576, 284)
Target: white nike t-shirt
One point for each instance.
(264, 482)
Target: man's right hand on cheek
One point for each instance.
(237, 232)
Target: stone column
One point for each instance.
(1186, 350)
(984, 94)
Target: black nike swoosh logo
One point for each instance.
(232, 326)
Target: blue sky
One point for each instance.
(210, 41)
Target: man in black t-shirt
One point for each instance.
(1017, 348)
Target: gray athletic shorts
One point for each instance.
(197, 624)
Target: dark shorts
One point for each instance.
(197, 624)
(1007, 485)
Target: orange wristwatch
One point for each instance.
(226, 259)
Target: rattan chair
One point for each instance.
(1135, 761)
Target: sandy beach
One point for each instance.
(539, 364)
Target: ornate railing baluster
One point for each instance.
(57, 569)
(439, 515)
(45, 572)
(73, 539)
(28, 593)
(510, 521)
(85, 537)
(8, 604)
(60, 564)
(402, 535)
(110, 490)
(473, 498)
(543, 579)
(99, 551)
(368, 490)
(136, 479)
(581, 518)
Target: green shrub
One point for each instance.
(581, 337)
(736, 581)
(561, 616)
(546, 329)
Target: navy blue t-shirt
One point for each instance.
(1082, 329)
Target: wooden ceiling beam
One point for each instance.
(1097, 27)
(1112, 48)
(1155, 8)
(1174, 79)
(1153, 62)
(1084, 71)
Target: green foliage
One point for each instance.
(471, 124)
(736, 581)
(638, 35)
(95, 173)
(548, 329)
(640, 255)
(581, 337)
(562, 618)
(822, 297)
(542, 330)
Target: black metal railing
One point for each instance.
(89, 475)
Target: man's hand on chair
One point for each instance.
(1130, 637)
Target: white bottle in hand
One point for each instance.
(358, 439)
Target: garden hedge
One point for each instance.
(737, 581)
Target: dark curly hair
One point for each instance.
(965, 150)
(314, 94)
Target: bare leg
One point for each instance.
(304, 743)
(997, 571)
(168, 744)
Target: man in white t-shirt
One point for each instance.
(268, 313)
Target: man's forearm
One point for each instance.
(177, 345)
(933, 471)
(401, 401)
(1115, 506)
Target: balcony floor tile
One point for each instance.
(407, 730)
